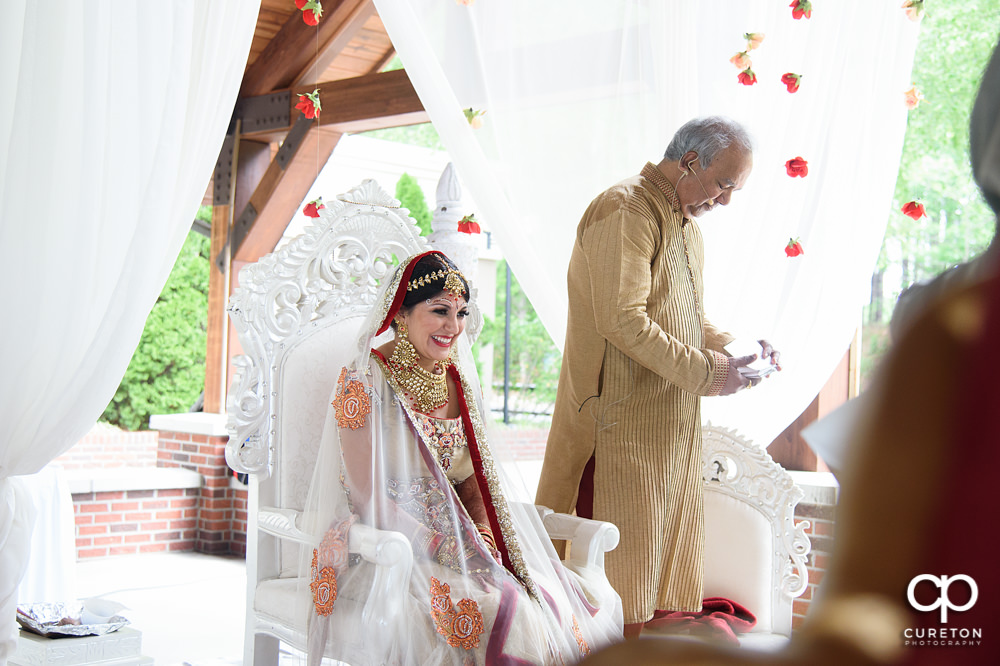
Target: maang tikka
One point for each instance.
(428, 390)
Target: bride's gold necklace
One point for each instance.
(428, 390)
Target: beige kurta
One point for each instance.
(637, 358)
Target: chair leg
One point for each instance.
(261, 650)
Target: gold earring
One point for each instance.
(405, 354)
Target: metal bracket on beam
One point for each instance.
(292, 141)
(264, 112)
(242, 226)
(222, 178)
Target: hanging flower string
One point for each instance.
(914, 9)
(474, 117)
(797, 167)
(791, 81)
(313, 208)
(742, 61)
(794, 248)
(309, 104)
(801, 8)
(913, 209)
(912, 98)
(312, 10)
(469, 225)
(753, 39)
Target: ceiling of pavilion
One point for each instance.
(273, 154)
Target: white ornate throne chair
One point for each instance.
(755, 552)
(298, 312)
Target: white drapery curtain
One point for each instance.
(579, 94)
(111, 117)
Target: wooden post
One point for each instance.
(216, 342)
(216, 356)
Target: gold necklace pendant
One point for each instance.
(428, 390)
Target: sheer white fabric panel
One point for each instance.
(111, 117)
(580, 94)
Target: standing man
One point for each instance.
(625, 442)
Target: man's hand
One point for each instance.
(734, 380)
(767, 351)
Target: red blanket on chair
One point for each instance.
(719, 619)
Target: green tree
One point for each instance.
(423, 135)
(167, 370)
(411, 196)
(955, 42)
(956, 39)
(535, 360)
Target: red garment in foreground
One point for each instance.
(719, 619)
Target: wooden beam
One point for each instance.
(281, 190)
(348, 18)
(358, 104)
(365, 98)
(290, 52)
(386, 59)
(254, 160)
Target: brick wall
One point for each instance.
(127, 522)
(821, 519)
(106, 446)
(222, 501)
(152, 491)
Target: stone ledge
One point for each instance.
(819, 487)
(195, 423)
(130, 478)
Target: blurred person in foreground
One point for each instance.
(917, 486)
(625, 442)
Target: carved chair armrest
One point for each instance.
(590, 539)
(392, 554)
(282, 523)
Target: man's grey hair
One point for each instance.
(708, 137)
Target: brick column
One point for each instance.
(198, 442)
(819, 507)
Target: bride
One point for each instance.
(405, 449)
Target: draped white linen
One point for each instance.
(111, 117)
(579, 94)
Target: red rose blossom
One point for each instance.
(468, 225)
(309, 104)
(312, 10)
(913, 209)
(801, 8)
(747, 77)
(797, 167)
(313, 208)
(791, 81)
(794, 248)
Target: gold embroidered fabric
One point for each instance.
(323, 586)
(580, 640)
(461, 623)
(446, 439)
(352, 403)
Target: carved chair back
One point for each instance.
(755, 552)
(298, 312)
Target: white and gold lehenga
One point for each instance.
(471, 602)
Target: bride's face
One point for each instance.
(434, 326)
